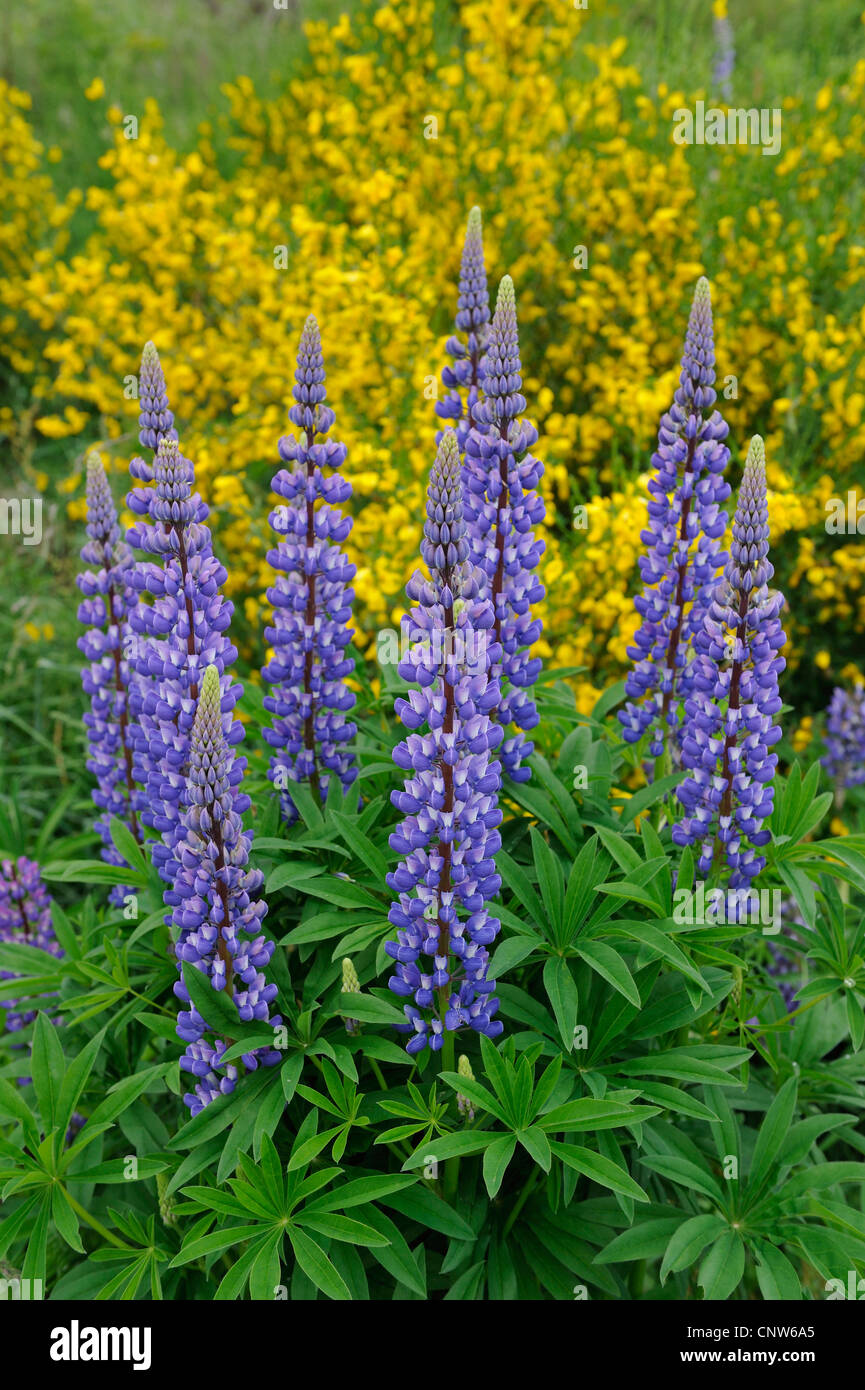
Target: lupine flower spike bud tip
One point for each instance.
(155, 420)
(464, 379)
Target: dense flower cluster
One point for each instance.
(730, 712)
(215, 914)
(683, 540)
(108, 598)
(464, 380)
(449, 835)
(844, 759)
(311, 598)
(502, 508)
(178, 628)
(25, 917)
(155, 419)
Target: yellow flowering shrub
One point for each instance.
(346, 196)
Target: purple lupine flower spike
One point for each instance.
(464, 379)
(311, 600)
(844, 759)
(174, 638)
(725, 56)
(502, 506)
(215, 914)
(108, 598)
(683, 539)
(449, 835)
(25, 918)
(155, 420)
(729, 715)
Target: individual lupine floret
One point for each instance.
(311, 599)
(108, 598)
(155, 420)
(844, 739)
(502, 506)
(464, 380)
(215, 915)
(25, 919)
(449, 835)
(683, 540)
(174, 637)
(729, 715)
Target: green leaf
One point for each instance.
(776, 1276)
(476, 1092)
(562, 994)
(537, 1146)
(773, 1132)
(115, 1171)
(599, 1169)
(647, 1241)
(361, 845)
(396, 1258)
(682, 1171)
(610, 966)
(316, 1266)
(126, 845)
(722, 1267)
(577, 1116)
(421, 1205)
(688, 1241)
(368, 1008)
(648, 796)
(335, 1227)
(445, 1146)
(496, 1159)
(47, 1067)
(214, 1243)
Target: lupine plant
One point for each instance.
(464, 380)
(215, 910)
(311, 598)
(502, 508)
(580, 1063)
(449, 836)
(25, 919)
(844, 759)
(730, 729)
(108, 597)
(178, 628)
(683, 541)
